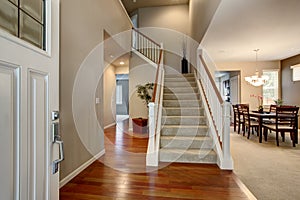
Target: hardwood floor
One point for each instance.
(121, 174)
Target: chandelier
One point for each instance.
(255, 80)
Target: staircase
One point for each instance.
(184, 134)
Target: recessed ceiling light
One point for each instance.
(111, 56)
(122, 63)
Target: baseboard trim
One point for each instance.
(80, 169)
(109, 125)
(243, 187)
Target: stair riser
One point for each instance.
(186, 158)
(191, 96)
(180, 84)
(186, 144)
(183, 112)
(184, 121)
(182, 103)
(200, 131)
(181, 90)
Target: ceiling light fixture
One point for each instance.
(255, 80)
(122, 63)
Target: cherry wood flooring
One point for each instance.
(121, 174)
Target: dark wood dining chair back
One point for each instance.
(241, 109)
(287, 115)
(273, 108)
(286, 121)
(235, 116)
(249, 123)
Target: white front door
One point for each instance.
(29, 92)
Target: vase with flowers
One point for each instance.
(259, 101)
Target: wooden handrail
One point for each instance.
(211, 80)
(146, 37)
(156, 76)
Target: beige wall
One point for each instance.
(171, 17)
(200, 15)
(122, 70)
(170, 24)
(141, 72)
(248, 69)
(290, 89)
(109, 99)
(82, 26)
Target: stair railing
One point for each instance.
(145, 45)
(155, 114)
(217, 109)
(154, 52)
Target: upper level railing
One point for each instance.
(146, 46)
(218, 110)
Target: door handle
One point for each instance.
(55, 163)
(57, 140)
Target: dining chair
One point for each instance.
(249, 122)
(286, 121)
(235, 116)
(271, 110)
(241, 121)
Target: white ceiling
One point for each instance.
(240, 26)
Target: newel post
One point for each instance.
(227, 162)
(151, 159)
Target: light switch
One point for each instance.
(97, 100)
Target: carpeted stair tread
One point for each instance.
(168, 90)
(185, 111)
(184, 130)
(179, 75)
(181, 96)
(186, 142)
(182, 103)
(188, 155)
(180, 79)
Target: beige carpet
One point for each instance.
(270, 172)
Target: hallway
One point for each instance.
(124, 175)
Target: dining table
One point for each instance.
(260, 116)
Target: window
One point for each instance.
(296, 72)
(270, 89)
(119, 94)
(24, 19)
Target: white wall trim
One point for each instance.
(80, 169)
(109, 125)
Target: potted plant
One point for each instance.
(145, 93)
(278, 102)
